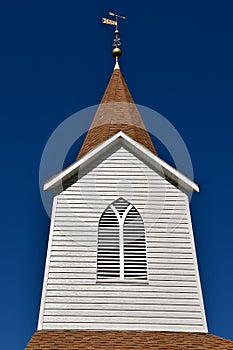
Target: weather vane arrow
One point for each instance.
(110, 21)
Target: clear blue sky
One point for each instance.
(56, 60)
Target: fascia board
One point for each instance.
(154, 160)
(54, 180)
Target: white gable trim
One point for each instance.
(159, 164)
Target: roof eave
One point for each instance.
(173, 174)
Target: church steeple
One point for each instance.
(121, 267)
(117, 111)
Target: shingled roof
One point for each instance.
(116, 112)
(122, 340)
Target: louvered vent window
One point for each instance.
(121, 244)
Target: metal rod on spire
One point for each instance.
(116, 52)
(117, 16)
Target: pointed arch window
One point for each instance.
(121, 252)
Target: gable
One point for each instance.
(122, 139)
(119, 172)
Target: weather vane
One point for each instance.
(116, 52)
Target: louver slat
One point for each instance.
(134, 246)
(121, 243)
(108, 262)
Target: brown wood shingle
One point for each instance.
(125, 340)
(116, 112)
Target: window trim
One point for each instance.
(121, 221)
(115, 281)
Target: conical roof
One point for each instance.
(116, 112)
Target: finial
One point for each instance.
(116, 52)
(116, 64)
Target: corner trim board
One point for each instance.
(205, 328)
(46, 272)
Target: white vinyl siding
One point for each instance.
(171, 300)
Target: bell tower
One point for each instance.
(121, 268)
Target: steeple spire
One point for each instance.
(117, 110)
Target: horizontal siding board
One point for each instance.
(166, 293)
(75, 282)
(79, 209)
(74, 246)
(123, 301)
(117, 306)
(152, 257)
(55, 272)
(176, 238)
(123, 326)
(170, 301)
(152, 262)
(165, 271)
(154, 190)
(60, 230)
(71, 269)
(126, 313)
(68, 233)
(74, 252)
(155, 280)
(109, 179)
(75, 221)
(178, 254)
(74, 266)
(161, 266)
(160, 196)
(124, 287)
(173, 278)
(79, 240)
(68, 259)
(134, 320)
(167, 242)
(82, 275)
(92, 200)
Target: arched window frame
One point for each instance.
(121, 219)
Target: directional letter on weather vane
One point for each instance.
(110, 21)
